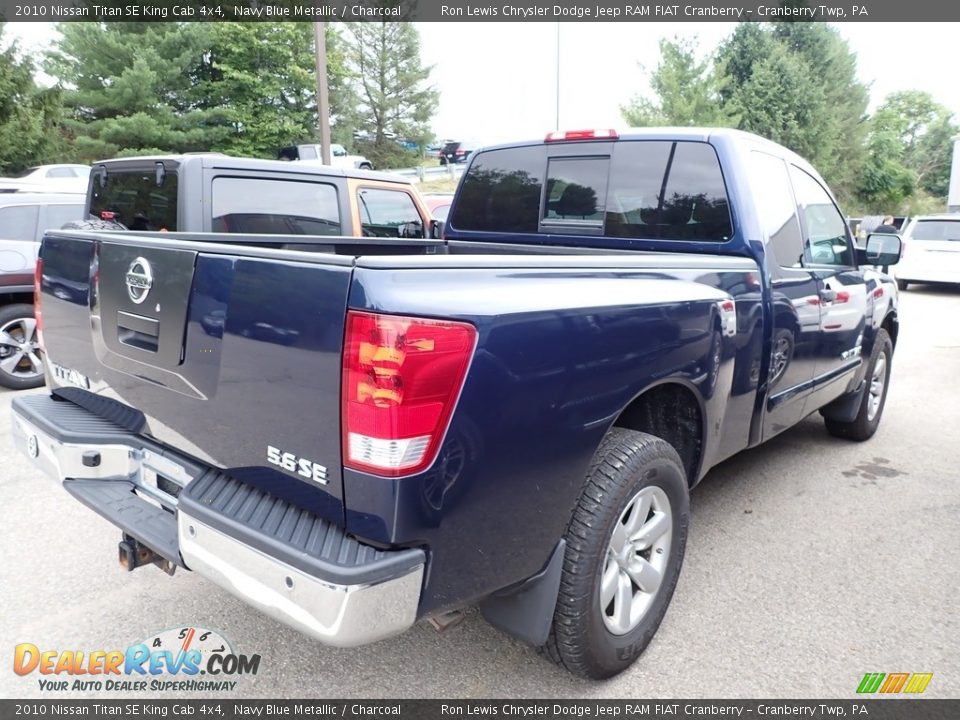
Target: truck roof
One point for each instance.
(220, 161)
(702, 134)
(690, 134)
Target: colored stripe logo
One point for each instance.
(894, 683)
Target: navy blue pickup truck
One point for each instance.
(353, 434)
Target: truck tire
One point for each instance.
(93, 225)
(21, 364)
(865, 424)
(636, 488)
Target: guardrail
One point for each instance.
(433, 173)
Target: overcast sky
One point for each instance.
(498, 81)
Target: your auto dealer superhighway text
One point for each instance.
(635, 11)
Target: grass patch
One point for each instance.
(439, 185)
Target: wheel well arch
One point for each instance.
(672, 411)
(892, 325)
(16, 298)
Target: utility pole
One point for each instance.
(558, 77)
(323, 96)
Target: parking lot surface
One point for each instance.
(811, 561)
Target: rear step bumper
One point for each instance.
(286, 562)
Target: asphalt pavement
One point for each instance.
(811, 561)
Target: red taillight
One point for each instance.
(460, 152)
(401, 379)
(107, 215)
(37, 281)
(842, 297)
(561, 135)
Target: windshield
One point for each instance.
(936, 230)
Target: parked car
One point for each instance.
(48, 178)
(364, 432)
(439, 204)
(456, 151)
(339, 157)
(931, 250)
(23, 219)
(219, 193)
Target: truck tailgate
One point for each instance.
(229, 354)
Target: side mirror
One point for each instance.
(883, 249)
(436, 229)
(339, 152)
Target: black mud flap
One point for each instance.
(526, 611)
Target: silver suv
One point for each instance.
(23, 219)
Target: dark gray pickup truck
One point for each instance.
(352, 434)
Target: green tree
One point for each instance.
(240, 88)
(885, 181)
(263, 76)
(131, 87)
(796, 83)
(29, 116)
(688, 91)
(924, 130)
(833, 66)
(769, 103)
(393, 99)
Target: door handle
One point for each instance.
(828, 295)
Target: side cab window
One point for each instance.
(777, 209)
(826, 235)
(388, 213)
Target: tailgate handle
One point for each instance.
(138, 331)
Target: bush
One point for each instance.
(386, 154)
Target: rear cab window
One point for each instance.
(638, 189)
(134, 199)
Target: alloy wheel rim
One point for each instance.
(19, 350)
(878, 383)
(636, 560)
(780, 357)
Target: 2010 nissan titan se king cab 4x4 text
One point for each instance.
(352, 434)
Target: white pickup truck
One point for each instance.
(339, 157)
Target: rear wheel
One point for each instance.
(624, 549)
(865, 424)
(21, 364)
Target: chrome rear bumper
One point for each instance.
(307, 586)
